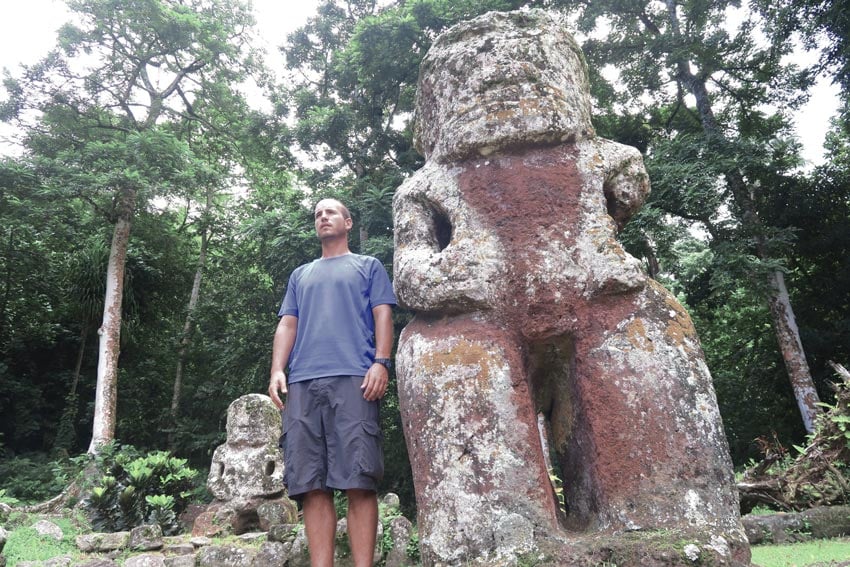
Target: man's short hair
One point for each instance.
(346, 214)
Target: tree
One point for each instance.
(105, 97)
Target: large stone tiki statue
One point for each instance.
(528, 310)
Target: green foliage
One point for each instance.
(139, 489)
(558, 487)
(413, 546)
(35, 477)
(25, 544)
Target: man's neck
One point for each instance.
(335, 247)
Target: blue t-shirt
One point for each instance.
(333, 300)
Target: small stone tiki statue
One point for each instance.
(527, 307)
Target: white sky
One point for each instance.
(28, 32)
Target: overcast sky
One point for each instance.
(28, 32)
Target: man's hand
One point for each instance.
(277, 386)
(375, 382)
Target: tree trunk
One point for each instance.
(186, 337)
(782, 314)
(84, 335)
(106, 393)
(7, 289)
(785, 326)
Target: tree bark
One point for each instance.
(106, 392)
(788, 335)
(186, 336)
(7, 288)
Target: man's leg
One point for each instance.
(320, 524)
(362, 525)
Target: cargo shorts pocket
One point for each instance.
(369, 456)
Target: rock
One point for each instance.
(216, 521)
(284, 533)
(145, 538)
(102, 542)
(251, 536)
(178, 549)
(299, 554)
(272, 554)
(200, 541)
(188, 516)
(391, 501)
(45, 528)
(528, 307)
(99, 563)
(180, 561)
(249, 463)
(4, 535)
(827, 521)
(774, 528)
(223, 556)
(145, 560)
(5, 512)
(247, 471)
(400, 529)
(279, 511)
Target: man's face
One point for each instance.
(330, 221)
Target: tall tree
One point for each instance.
(122, 72)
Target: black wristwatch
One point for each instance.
(385, 362)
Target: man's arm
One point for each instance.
(284, 340)
(377, 377)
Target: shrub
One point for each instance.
(137, 489)
(33, 477)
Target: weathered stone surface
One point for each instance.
(146, 560)
(180, 561)
(200, 541)
(827, 521)
(782, 527)
(5, 510)
(391, 501)
(99, 563)
(102, 542)
(145, 538)
(223, 556)
(4, 535)
(178, 549)
(528, 306)
(216, 521)
(774, 528)
(284, 532)
(249, 464)
(400, 529)
(247, 472)
(272, 554)
(299, 554)
(275, 512)
(48, 529)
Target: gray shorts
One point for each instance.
(331, 437)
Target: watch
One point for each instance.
(385, 362)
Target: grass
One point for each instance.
(24, 543)
(800, 554)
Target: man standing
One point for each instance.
(336, 333)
